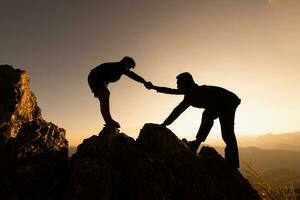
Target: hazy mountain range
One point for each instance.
(287, 141)
(279, 166)
(275, 156)
(284, 141)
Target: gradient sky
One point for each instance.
(249, 47)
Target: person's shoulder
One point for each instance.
(106, 66)
(126, 70)
(206, 88)
(218, 90)
(109, 64)
(211, 87)
(202, 87)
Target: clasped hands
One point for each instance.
(149, 85)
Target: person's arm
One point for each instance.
(166, 90)
(176, 112)
(134, 76)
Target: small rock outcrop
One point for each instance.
(156, 166)
(33, 152)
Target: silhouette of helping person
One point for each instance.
(217, 102)
(106, 73)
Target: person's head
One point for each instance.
(128, 62)
(184, 81)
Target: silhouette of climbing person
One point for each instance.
(217, 102)
(106, 73)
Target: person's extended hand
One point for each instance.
(148, 85)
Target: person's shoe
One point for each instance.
(113, 124)
(194, 145)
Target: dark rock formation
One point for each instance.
(157, 166)
(33, 152)
(207, 176)
(110, 166)
(17, 102)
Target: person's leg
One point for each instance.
(206, 124)
(228, 135)
(103, 96)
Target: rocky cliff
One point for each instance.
(107, 166)
(156, 166)
(17, 102)
(33, 152)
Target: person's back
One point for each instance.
(108, 72)
(211, 97)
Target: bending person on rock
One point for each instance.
(106, 73)
(217, 102)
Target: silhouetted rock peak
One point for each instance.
(156, 166)
(17, 103)
(33, 152)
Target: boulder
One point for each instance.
(204, 176)
(110, 166)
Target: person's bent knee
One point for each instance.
(230, 141)
(102, 93)
(209, 116)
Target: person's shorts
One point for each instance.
(96, 83)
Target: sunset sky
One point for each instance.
(249, 47)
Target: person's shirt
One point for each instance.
(204, 96)
(211, 97)
(112, 72)
(215, 99)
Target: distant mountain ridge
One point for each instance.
(285, 141)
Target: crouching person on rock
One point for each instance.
(217, 103)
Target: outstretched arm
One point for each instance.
(166, 90)
(134, 76)
(176, 112)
